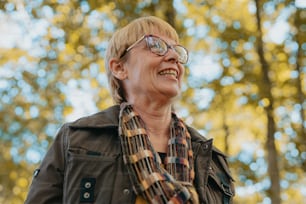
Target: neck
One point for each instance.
(157, 119)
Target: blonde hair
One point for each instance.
(126, 36)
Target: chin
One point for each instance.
(173, 94)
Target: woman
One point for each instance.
(137, 151)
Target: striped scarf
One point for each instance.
(157, 184)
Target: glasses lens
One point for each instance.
(156, 45)
(159, 47)
(182, 53)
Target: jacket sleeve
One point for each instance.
(47, 183)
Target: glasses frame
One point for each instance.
(167, 45)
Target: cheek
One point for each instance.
(182, 69)
(132, 67)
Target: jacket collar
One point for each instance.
(103, 119)
(198, 139)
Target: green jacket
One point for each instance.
(85, 165)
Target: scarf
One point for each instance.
(158, 184)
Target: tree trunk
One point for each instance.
(300, 94)
(266, 94)
(169, 11)
(225, 127)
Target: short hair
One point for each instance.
(125, 37)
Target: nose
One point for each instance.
(171, 55)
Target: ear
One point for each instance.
(118, 69)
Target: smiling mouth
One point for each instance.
(169, 72)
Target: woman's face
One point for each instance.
(152, 76)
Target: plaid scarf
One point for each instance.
(157, 184)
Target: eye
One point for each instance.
(157, 46)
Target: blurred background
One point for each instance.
(245, 83)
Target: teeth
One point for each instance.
(168, 71)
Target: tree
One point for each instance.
(242, 88)
(266, 95)
(300, 39)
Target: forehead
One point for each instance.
(167, 35)
(167, 39)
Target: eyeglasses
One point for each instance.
(159, 47)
